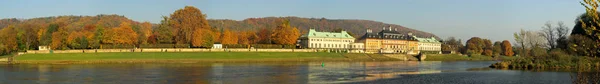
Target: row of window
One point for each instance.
(429, 48)
(428, 44)
(322, 45)
(330, 40)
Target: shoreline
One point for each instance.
(195, 57)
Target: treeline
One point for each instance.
(356, 27)
(187, 26)
(478, 46)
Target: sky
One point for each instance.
(493, 19)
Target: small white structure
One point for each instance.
(217, 46)
(43, 48)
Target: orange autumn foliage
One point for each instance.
(229, 37)
(123, 34)
(507, 48)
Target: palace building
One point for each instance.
(429, 45)
(327, 40)
(389, 41)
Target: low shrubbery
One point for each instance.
(555, 59)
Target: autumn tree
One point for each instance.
(229, 37)
(487, 48)
(285, 34)
(123, 34)
(203, 38)
(46, 37)
(59, 39)
(587, 26)
(474, 46)
(264, 36)
(243, 38)
(29, 36)
(185, 21)
(507, 48)
(252, 37)
(8, 42)
(144, 32)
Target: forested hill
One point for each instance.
(357, 27)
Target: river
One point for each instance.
(397, 72)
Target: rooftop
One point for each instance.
(312, 33)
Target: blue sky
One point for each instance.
(493, 19)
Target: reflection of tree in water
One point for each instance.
(586, 76)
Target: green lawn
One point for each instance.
(178, 55)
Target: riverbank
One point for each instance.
(195, 57)
(457, 57)
(566, 63)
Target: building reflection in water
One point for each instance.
(339, 72)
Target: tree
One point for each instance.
(59, 39)
(229, 37)
(123, 34)
(507, 48)
(487, 47)
(202, 38)
(475, 46)
(562, 32)
(587, 26)
(497, 51)
(520, 39)
(452, 44)
(144, 32)
(582, 45)
(264, 36)
(164, 33)
(243, 38)
(549, 33)
(285, 34)
(529, 40)
(9, 39)
(46, 38)
(185, 21)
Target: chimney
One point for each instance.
(369, 30)
(390, 28)
(396, 29)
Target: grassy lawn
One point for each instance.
(178, 55)
(456, 57)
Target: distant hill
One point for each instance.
(357, 27)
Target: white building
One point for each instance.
(357, 47)
(429, 45)
(326, 40)
(217, 46)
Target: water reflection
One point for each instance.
(232, 73)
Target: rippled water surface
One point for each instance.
(400, 72)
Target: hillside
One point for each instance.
(357, 27)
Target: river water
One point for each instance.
(398, 72)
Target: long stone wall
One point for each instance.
(167, 50)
